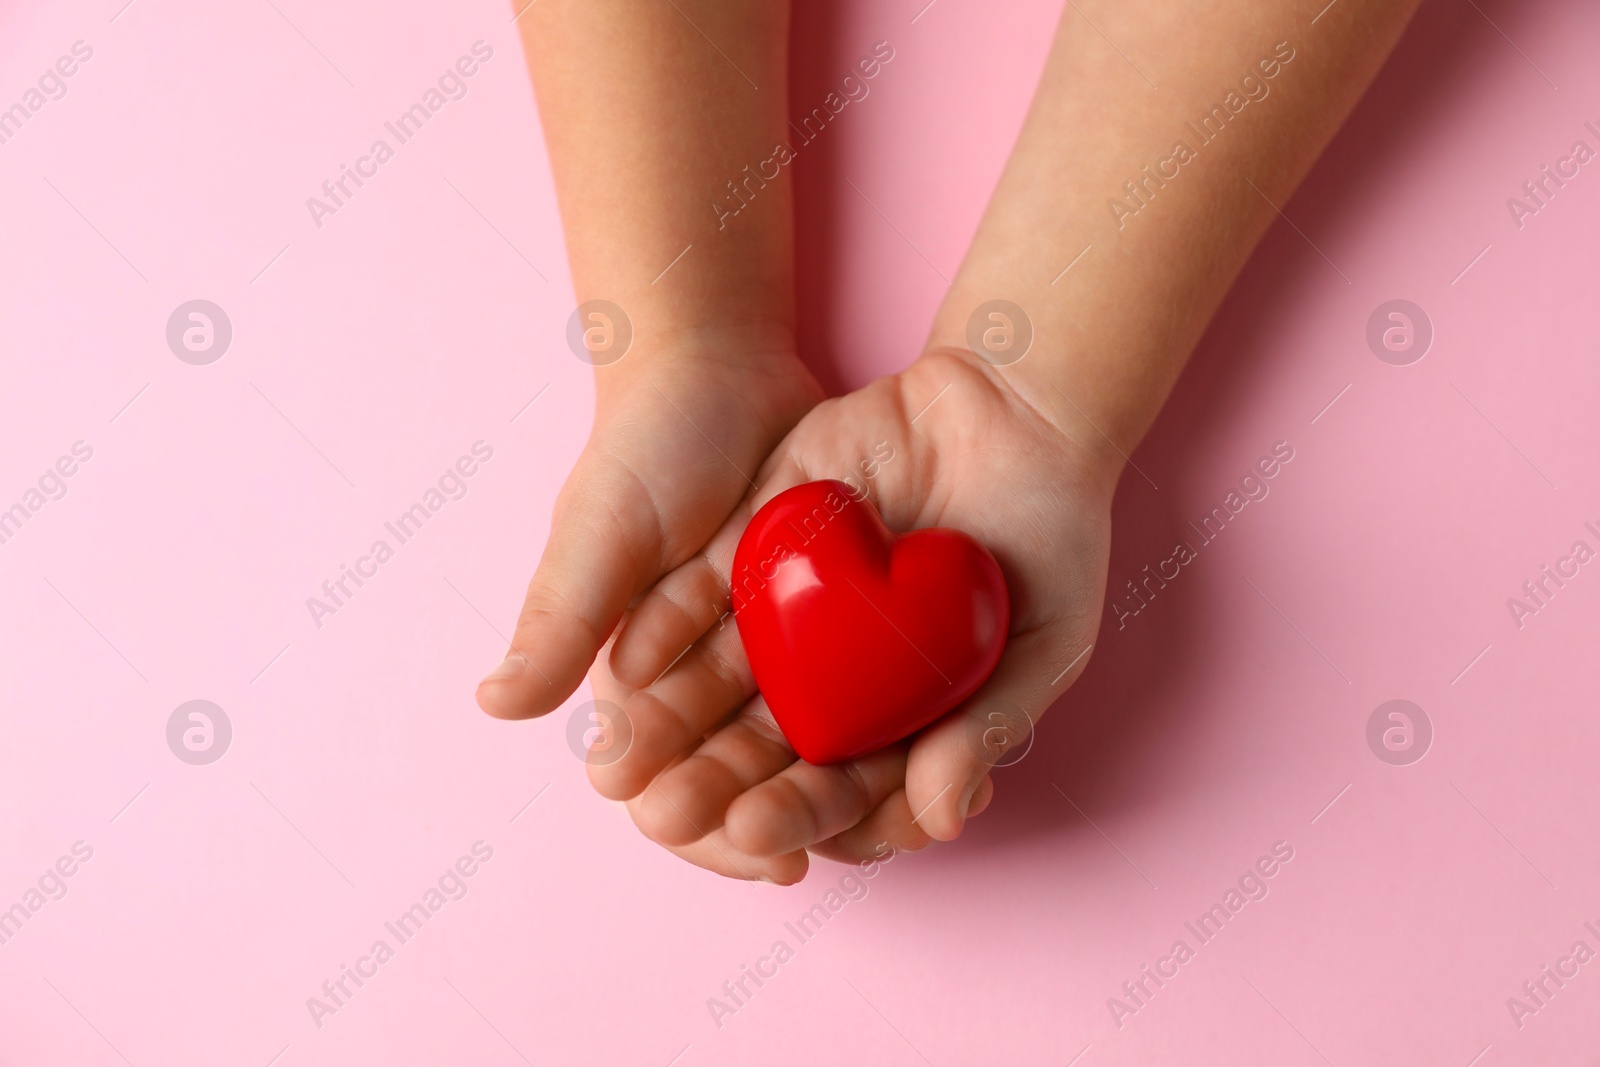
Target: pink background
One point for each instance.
(407, 327)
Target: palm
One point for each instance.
(942, 444)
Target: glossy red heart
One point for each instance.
(857, 637)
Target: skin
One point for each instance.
(633, 585)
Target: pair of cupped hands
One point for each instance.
(691, 437)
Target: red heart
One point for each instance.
(858, 638)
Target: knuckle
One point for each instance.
(615, 781)
(660, 820)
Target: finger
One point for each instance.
(691, 798)
(689, 600)
(982, 798)
(950, 759)
(667, 720)
(890, 828)
(679, 610)
(716, 854)
(605, 544)
(887, 828)
(805, 804)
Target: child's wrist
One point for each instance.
(688, 343)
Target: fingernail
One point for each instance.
(768, 879)
(510, 667)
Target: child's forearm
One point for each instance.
(1168, 189)
(649, 111)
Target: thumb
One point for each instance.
(605, 546)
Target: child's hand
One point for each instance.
(707, 773)
(677, 433)
(1024, 458)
